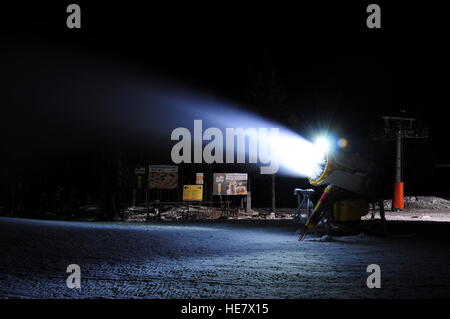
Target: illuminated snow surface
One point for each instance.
(211, 260)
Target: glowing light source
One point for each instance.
(323, 144)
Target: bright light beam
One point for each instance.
(297, 156)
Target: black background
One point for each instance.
(60, 106)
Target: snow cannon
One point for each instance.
(347, 176)
(348, 171)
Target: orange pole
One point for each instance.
(399, 194)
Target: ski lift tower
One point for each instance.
(396, 129)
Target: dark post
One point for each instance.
(272, 206)
(146, 204)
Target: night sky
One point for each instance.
(68, 92)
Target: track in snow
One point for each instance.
(212, 260)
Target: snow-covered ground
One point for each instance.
(420, 208)
(211, 260)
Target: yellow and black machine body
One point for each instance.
(349, 210)
(350, 182)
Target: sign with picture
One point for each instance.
(162, 176)
(230, 183)
(199, 178)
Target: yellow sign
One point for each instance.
(193, 192)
